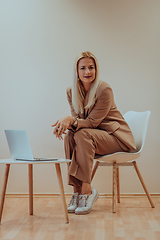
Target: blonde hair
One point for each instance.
(78, 92)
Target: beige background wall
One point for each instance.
(38, 44)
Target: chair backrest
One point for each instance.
(138, 123)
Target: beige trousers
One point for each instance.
(81, 147)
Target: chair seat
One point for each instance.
(118, 157)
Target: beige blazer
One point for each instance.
(103, 114)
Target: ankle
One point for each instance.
(77, 189)
(86, 189)
(86, 193)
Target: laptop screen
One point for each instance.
(19, 144)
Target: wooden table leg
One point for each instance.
(114, 188)
(143, 184)
(118, 186)
(94, 169)
(4, 190)
(59, 176)
(30, 177)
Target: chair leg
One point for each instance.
(4, 190)
(118, 186)
(114, 188)
(94, 169)
(143, 184)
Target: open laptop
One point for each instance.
(19, 146)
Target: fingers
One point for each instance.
(61, 126)
(59, 136)
(54, 124)
(59, 130)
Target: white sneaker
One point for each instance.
(73, 204)
(86, 203)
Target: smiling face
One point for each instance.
(86, 72)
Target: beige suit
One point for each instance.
(101, 130)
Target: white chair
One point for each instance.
(138, 122)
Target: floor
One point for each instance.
(134, 220)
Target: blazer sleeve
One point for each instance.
(101, 107)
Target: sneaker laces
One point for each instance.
(82, 201)
(74, 200)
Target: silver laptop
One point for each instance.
(19, 146)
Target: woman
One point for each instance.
(95, 127)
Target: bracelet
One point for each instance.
(75, 119)
(73, 122)
(72, 125)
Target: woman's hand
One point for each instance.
(61, 126)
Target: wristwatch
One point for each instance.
(75, 123)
